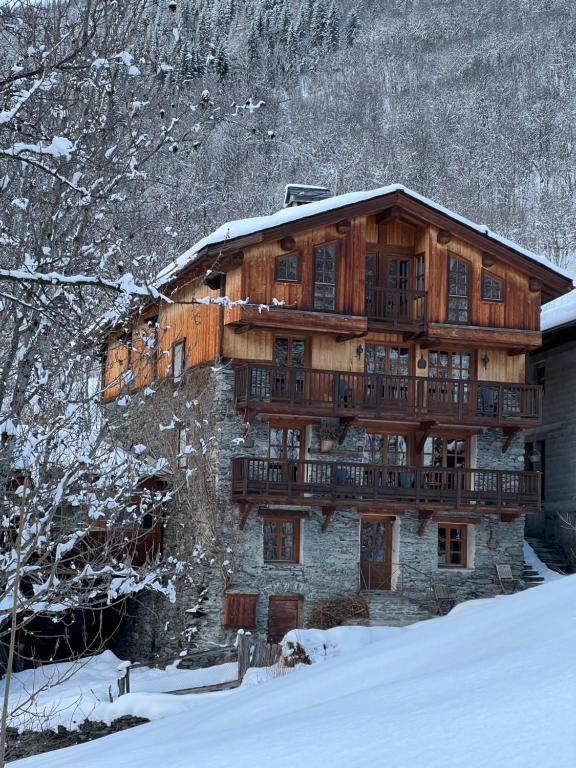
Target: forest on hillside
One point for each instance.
(471, 104)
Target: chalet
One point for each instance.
(345, 381)
(551, 446)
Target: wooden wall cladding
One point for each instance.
(197, 323)
(257, 279)
(520, 309)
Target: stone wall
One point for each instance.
(329, 565)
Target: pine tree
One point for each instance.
(352, 29)
(221, 65)
(318, 24)
(332, 38)
(252, 47)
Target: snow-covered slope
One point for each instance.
(492, 684)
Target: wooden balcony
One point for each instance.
(305, 391)
(335, 483)
(402, 309)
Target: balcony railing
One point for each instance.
(400, 307)
(288, 480)
(378, 395)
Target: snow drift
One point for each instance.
(491, 684)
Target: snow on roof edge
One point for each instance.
(561, 311)
(242, 227)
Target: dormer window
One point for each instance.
(288, 268)
(492, 287)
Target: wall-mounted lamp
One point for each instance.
(359, 351)
(485, 361)
(422, 364)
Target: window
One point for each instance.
(492, 287)
(380, 358)
(452, 545)
(420, 272)
(287, 445)
(391, 366)
(391, 450)
(540, 375)
(458, 297)
(240, 611)
(443, 364)
(443, 451)
(289, 353)
(182, 449)
(178, 360)
(281, 537)
(325, 277)
(288, 268)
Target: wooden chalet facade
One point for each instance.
(379, 364)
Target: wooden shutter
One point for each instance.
(240, 611)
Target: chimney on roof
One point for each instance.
(299, 194)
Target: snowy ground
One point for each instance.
(491, 684)
(73, 692)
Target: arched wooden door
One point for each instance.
(376, 552)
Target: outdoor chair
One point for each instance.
(508, 584)
(444, 601)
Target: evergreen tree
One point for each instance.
(332, 38)
(221, 65)
(252, 47)
(318, 24)
(352, 29)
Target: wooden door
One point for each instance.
(284, 614)
(290, 356)
(376, 552)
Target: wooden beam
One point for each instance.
(249, 415)
(344, 427)
(509, 517)
(425, 515)
(535, 285)
(245, 509)
(444, 236)
(349, 336)
(389, 214)
(243, 328)
(508, 434)
(426, 427)
(214, 280)
(488, 260)
(287, 243)
(440, 517)
(328, 514)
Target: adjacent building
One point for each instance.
(551, 447)
(341, 390)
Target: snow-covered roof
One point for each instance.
(244, 227)
(561, 311)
